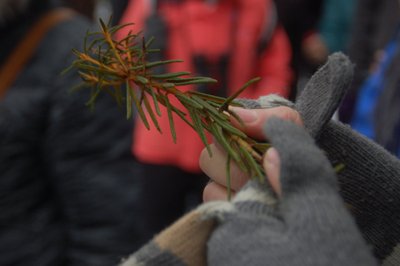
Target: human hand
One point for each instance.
(369, 182)
(316, 105)
(253, 122)
(303, 223)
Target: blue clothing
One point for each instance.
(364, 119)
(372, 88)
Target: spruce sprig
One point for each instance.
(121, 69)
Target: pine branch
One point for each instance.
(120, 68)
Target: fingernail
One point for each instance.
(272, 169)
(272, 158)
(247, 115)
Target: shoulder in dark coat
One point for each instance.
(67, 187)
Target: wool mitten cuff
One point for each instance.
(181, 244)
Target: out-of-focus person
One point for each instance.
(231, 41)
(374, 25)
(300, 19)
(377, 99)
(316, 29)
(67, 187)
(332, 32)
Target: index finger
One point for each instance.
(253, 120)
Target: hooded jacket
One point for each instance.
(66, 173)
(222, 40)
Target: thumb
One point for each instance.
(324, 92)
(306, 176)
(272, 167)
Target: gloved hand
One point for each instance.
(369, 184)
(308, 225)
(370, 180)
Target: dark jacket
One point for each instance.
(67, 187)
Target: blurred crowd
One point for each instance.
(82, 187)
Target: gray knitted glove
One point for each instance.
(309, 225)
(370, 181)
(370, 185)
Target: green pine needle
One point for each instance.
(121, 69)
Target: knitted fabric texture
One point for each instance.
(183, 243)
(370, 180)
(309, 224)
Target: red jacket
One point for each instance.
(195, 27)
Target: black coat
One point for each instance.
(67, 187)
